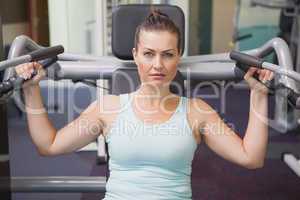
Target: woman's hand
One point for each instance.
(26, 70)
(264, 76)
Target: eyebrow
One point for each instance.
(162, 51)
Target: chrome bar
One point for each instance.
(60, 184)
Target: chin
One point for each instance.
(157, 83)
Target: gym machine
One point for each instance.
(87, 67)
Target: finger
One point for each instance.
(21, 73)
(262, 75)
(268, 75)
(23, 67)
(23, 70)
(271, 76)
(37, 65)
(28, 66)
(29, 70)
(20, 68)
(250, 73)
(40, 74)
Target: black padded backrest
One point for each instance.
(124, 81)
(1, 48)
(126, 18)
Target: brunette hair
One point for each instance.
(157, 21)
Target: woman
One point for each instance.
(152, 134)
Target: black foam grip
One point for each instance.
(48, 52)
(48, 62)
(246, 60)
(241, 70)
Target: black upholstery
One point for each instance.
(126, 18)
(128, 78)
(124, 22)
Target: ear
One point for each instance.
(134, 53)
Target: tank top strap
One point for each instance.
(124, 101)
(183, 104)
(121, 116)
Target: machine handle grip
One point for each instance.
(44, 53)
(245, 61)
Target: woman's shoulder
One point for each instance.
(106, 108)
(109, 103)
(103, 104)
(198, 110)
(198, 104)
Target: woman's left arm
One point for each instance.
(249, 151)
(256, 137)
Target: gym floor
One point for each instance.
(212, 177)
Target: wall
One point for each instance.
(184, 5)
(193, 37)
(211, 26)
(11, 31)
(262, 15)
(223, 26)
(71, 22)
(15, 19)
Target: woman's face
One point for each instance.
(157, 57)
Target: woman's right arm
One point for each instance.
(49, 141)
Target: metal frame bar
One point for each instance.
(4, 143)
(292, 162)
(274, 4)
(204, 67)
(61, 184)
(208, 67)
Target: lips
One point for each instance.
(158, 75)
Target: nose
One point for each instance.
(158, 63)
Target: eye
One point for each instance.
(168, 55)
(148, 54)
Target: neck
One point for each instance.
(152, 96)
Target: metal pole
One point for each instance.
(292, 162)
(56, 184)
(4, 154)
